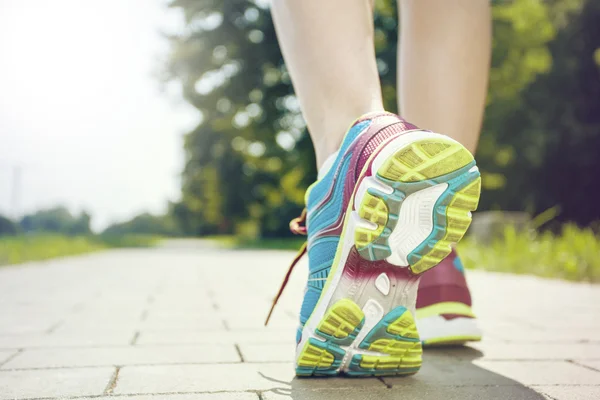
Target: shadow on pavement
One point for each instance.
(447, 374)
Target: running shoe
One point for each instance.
(444, 314)
(385, 208)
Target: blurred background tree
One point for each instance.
(56, 220)
(144, 224)
(249, 160)
(8, 227)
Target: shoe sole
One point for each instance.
(412, 201)
(436, 330)
(439, 332)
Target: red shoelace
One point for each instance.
(298, 227)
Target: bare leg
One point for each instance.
(444, 59)
(329, 51)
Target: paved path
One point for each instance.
(185, 322)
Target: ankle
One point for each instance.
(328, 137)
(325, 147)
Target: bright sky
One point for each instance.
(82, 112)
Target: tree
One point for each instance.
(144, 224)
(57, 220)
(250, 159)
(251, 134)
(511, 147)
(8, 227)
(560, 110)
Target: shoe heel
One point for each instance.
(417, 201)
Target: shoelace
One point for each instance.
(298, 227)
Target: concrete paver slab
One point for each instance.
(54, 383)
(179, 327)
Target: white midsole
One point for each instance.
(438, 327)
(415, 223)
(391, 147)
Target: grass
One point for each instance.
(235, 242)
(20, 249)
(129, 240)
(574, 254)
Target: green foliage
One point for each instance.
(572, 254)
(250, 159)
(57, 220)
(547, 133)
(8, 227)
(129, 240)
(19, 249)
(57, 233)
(251, 134)
(241, 243)
(144, 224)
(522, 30)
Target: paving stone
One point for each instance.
(135, 325)
(120, 310)
(570, 392)
(440, 369)
(268, 352)
(520, 335)
(258, 323)
(260, 336)
(536, 351)
(105, 356)
(178, 320)
(86, 311)
(214, 324)
(18, 329)
(5, 355)
(595, 364)
(177, 315)
(196, 396)
(570, 323)
(421, 392)
(542, 372)
(54, 383)
(223, 377)
(497, 326)
(78, 339)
